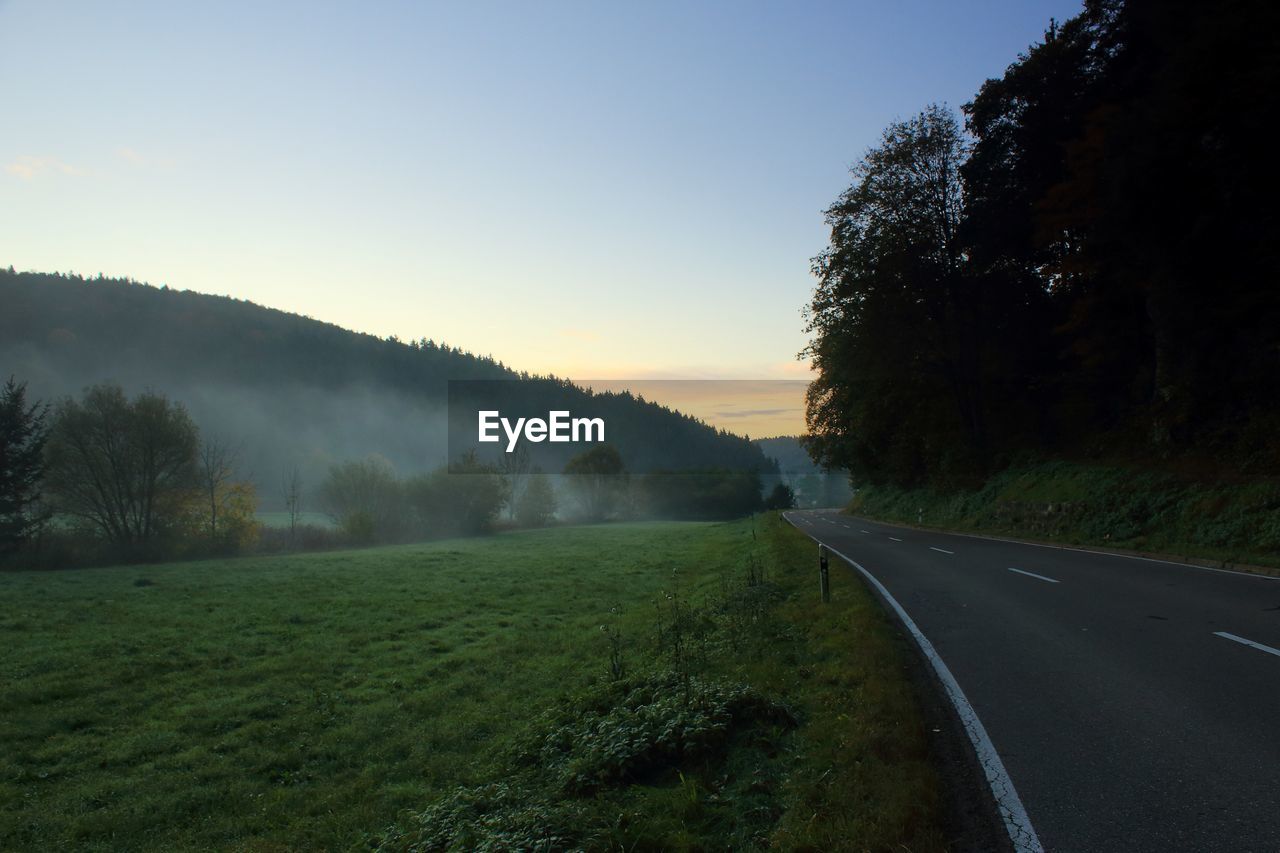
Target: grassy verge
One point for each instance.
(651, 685)
(1230, 523)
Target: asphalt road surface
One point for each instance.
(1133, 704)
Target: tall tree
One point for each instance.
(1170, 186)
(1021, 124)
(894, 320)
(23, 433)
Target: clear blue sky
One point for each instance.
(596, 189)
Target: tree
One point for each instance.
(125, 468)
(462, 499)
(237, 508)
(228, 508)
(597, 478)
(896, 325)
(516, 468)
(23, 434)
(216, 467)
(1169, 298)
(364, 498)
(1025, 231)
(536, 506)
(477, 493)
(292, 493)
(1093, 274)
(782, 497)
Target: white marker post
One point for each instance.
(824, 578)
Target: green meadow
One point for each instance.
(380, 697)
(279, 519)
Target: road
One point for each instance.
(1135, 704)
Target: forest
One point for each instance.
(1081, 265)
(143, 423)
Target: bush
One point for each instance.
(365, 499)
(464, 501)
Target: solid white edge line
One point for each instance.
(1016, 821)
(1224, 635)
(1034, 575)
(940, 550)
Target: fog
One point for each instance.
(272, 428)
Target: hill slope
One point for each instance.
(289, 389)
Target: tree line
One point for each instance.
(107, 477)
(1086, 264)
(371, 503)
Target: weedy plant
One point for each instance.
(589, 748)
(682, 633)
(666, 721)
(613, 636)
(745, 600)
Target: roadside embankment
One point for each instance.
(1234, 524)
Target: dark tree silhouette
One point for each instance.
(23, 433)
(782, 497)
(1106, 284)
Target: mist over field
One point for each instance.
(309, 426)
(273, 426)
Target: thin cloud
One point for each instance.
(29, 168)
(136, 158)
(755, 413)
(580, 335)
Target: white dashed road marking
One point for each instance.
(1224, 635)
(1034, 575)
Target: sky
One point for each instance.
(602, 189)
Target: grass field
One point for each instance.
(316, 701)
